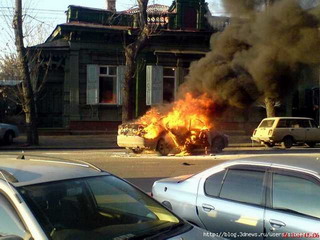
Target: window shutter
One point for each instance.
(92, 84)
(154, 88)
(121, 70)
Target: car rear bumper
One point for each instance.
(130, 141)
(262, 139)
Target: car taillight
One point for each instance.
(270, 132)
(254, 132)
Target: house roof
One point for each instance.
(95, 25)
(154, 8)
(84, 19)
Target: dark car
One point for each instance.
(8, 132)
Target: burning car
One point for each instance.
(179, 128)
(134, 137)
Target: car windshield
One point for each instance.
(266, 124)
(103, 207)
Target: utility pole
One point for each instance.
(28, 103)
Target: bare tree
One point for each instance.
(28, 103)
(131, 52)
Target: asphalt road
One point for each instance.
(143, 169)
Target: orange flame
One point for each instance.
(187, 114)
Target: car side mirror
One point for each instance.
(11, 237)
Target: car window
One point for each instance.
(294, 123)
(283, 123)
(103, 207)
(296, 194)
(266, 123)
(243, 186)
(213, 183)
(304, 123)
(313, 124)
(115, 198)
(9, 221)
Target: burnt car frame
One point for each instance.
(132, 137)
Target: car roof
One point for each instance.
(309, 163)
(28, 170)
(274, 118)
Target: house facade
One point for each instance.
(87, 65)
(83, 87)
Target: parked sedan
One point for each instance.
(257, 198)
(56, 199)
(8, 132)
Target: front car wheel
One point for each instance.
(136, 150)
(163, 147)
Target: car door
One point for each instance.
(296, 130)
(231, 202)
(293, 206)
(312, 132)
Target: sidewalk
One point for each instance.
(105, 141)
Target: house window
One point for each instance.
(104, 84)
(190, 18)
(108, 84)
(169, 80)
(162, 83)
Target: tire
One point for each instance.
(311, 144)
(217, 145)
(163, 147)
(136, 150)
(268, 144)
(287, 142)
(8, 137)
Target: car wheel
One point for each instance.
(287, 142)
(8, 137)
(311, 144)
(268, 144)
(136, 150)
(217, 145)
(163, 147)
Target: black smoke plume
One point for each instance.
(260, 54)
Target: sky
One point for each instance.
(42, 16)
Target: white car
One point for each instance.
(56, 199)
(256, 198)
(8, 132)
(287, 131)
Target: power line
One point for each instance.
(37, 19)
(48, 13)
(35, 9)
